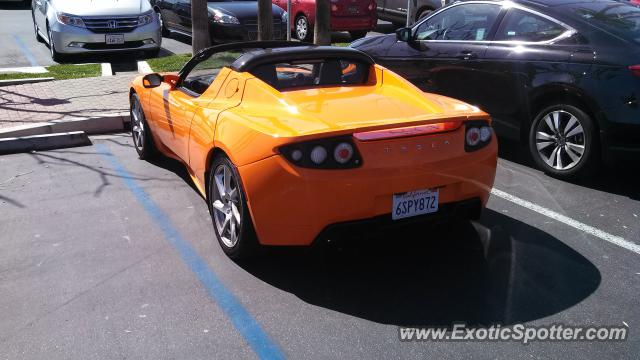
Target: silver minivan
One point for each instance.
(85, 26)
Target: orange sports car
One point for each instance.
(290, 143)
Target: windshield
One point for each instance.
(621, 19)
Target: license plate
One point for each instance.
(353, 10)
(114, 39)
(414, 203)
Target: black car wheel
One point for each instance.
(163, 28)
(140, 131)
(563, 141)
(301, 29)
(229, 212)
(355, 35)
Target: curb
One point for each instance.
(106, 123)
(25, 69)
(144, 68)
(106, 70)
(24, 81)
(43, 142)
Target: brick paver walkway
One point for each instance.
(64, 99)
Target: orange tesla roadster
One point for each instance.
(291, 143)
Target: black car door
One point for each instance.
(446, 51)
(169, 15)
(529, 50)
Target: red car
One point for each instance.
(355, 16)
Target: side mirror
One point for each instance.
(152, 80)
(404, 34)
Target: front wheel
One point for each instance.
(302, 30)
(140, 131)
(55, 55)
(563, 141)
(229, 212)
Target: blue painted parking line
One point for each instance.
(246, 325)
(25, 50)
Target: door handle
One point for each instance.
(467, 55)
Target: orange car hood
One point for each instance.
(337, 109)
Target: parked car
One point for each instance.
(282, 139)
(355, 16)
(395, 11)
(74, 27)
(562, 77)
(229, 21)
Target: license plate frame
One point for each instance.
(114, 39)
(415, 203)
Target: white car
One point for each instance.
(84, 26)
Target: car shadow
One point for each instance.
(616, 178)
(497, 270)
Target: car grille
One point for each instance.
(105, 25)
(254, 22)
(252, 28)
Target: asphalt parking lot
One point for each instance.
(107, 256)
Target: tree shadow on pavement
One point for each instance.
(498, 270)
(617, 178)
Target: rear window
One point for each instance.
(621, 19)
(313, 73)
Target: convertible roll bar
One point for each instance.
(210, 51)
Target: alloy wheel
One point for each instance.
(226, 206)
(301, 28)
(137, 125)
(560, 140)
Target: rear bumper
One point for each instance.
(465, 209)
(292, 206)
(353, 23)
(145, 37)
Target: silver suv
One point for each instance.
(81, 26)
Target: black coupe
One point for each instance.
(229, 21)
(562, 76)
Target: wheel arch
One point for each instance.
(559, 94)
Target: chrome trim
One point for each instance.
(569, 30)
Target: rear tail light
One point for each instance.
(371, 6)
(332, 153)
(334, 7)
(477, 135)
(635, 70)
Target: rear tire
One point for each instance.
(357, 34)
(140, 130)
(230, 215)
(563, 142)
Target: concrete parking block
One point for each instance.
(106, 69)
(44, 142)
(107, 123)
(25, 69)
(144, 68)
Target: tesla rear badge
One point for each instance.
(418, 147)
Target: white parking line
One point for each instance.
(617, 240)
